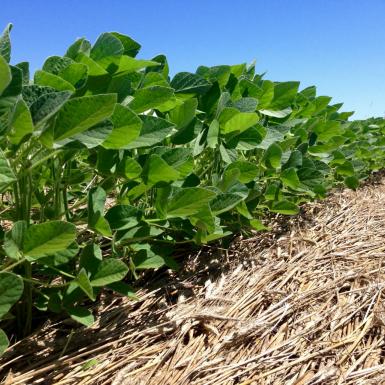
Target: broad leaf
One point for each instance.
(21, 123)
(5, 75)
(109, 271)
(126, 128)
(188, 201)
(284, 207)
(106, 45)
(79, 114)
(96, 221)
(122, 217)
(11, 289)
(43, 78)
(240, 122)
(84, 283)
(4, 342)
(7, 176)
(81, 315)
(150, 97)
(157, 170)
(187, 83)
(5, 43)
(153, 131)
(47, 238)
(273, 155)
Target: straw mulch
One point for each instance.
(299, 305)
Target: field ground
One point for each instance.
(298, 305)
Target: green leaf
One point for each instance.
(290, 178)
(90, 257)
(277, 114)
(246, 104)
(55, 64)
(43, 78)
(96, 221)
(352, 182)
(24, 66)
(14, 88)
(153, 131)
(47, 238)
(61, 257)
(150, 97)
(79, 114)
(188, 201)
(157, 170)
(284, 207)
(85, 284)
(47, 105)
(138, 234)
(273, 134)
(94, 69)
(81, 315)
(310, 177)
(5, 75)
(127, 126)
(212, 134)
(122, 217)
(106, 45)
(80, 46)
(273, 155)
(75, 74)
(130, 46)
(129, 64)
(7, 177)
(90, 138)
(345, 169)
(189, 83)
(180, 158)
(229, 178)
(258, 225)
(4, 342)
(14, 239)
(327, 130)
(129, 168)
(204, 219)
(109, 271)
(240, 122)
(11, 289)
(5, 43)
(224, 202)
(247, 170)
(146, 259)
(284, 95)
(21, 123)
(182, 115)
(65, 68)
(124, 289)
(295, 160)
(249, 139)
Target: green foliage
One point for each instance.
(107, 165)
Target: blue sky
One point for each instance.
(337, 45)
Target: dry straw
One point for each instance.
(298, 305)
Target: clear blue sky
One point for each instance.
(337, 45)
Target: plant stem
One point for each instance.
(27, 299)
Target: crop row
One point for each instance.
(107, 164)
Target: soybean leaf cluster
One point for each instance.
(108, 163)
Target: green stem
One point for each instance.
(10, 267)
(65, 203)
(17, 199)
(44, 159)
(27, 299)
